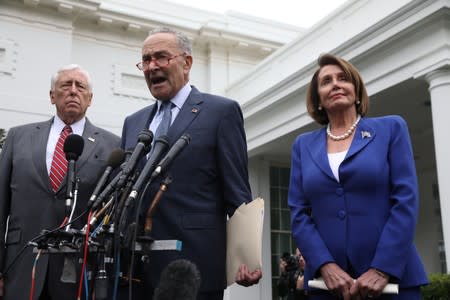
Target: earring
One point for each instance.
(319, 108)
(358, 102)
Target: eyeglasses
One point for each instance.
(161, 60)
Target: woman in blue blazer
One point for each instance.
(353, 192)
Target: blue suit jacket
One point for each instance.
(367, 219)
(210, 180)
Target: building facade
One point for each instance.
(402, 49)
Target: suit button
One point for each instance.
(342, 214)
(339, 191)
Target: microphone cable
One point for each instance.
(33, 270)
(85, 254)
(75, 198)
(30, 243)
(33, 274)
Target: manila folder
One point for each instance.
(244, 238)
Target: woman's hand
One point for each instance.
(337, 280)
(370, 284)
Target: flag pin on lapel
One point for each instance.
(194, 110)
(365, 134)
(91, 139)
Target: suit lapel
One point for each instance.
(317, 148)
(317, 145)
(91, 140)
(364, 134)
(189, 111)
(39, 140)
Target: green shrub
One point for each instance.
(2, 137)
(439, 287)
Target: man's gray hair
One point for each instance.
(69, 68)
(183, 41)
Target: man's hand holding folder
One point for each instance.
(244, 244)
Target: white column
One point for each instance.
(439, 81)
(217, 69)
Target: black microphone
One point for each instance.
(180, 280)
(116, 158)
(111, 187)
(73, 147)
(159, 149)
(145, 138)
(179, 145)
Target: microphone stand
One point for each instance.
(144, 239)
(101, 280)
(74, 192)
(149, 216)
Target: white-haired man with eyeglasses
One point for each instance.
(210, 176)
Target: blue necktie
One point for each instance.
(163, 127)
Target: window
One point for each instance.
(281, 239)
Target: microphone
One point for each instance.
(145, 138)
(116, 158)
(73, 147)
(106, 191)
(112, 184)
(180, 280)
(159, 149)
(179, 145)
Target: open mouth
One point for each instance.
(157, 79)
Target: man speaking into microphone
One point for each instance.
(33, 185)
(209, 176)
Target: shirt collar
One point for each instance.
(77, 127)
(180, 97)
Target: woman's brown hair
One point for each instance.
(313, 99)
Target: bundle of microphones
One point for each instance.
(117, 196)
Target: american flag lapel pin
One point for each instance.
(365, 134)
(194, 110)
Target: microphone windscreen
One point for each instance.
(180, 280)
(116, 158)
(73, 146)
(145, 137)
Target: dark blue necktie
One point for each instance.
(163, 127)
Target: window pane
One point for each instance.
(285, 242)
(275, 295)
(274, 178)
(275, 219)
(284, 177)
(281, 240)
(276, 265)
(283, 197)
(286, 220)
(275, 241)
(274, 198)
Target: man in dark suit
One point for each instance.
(210, 176)
(28, 197)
